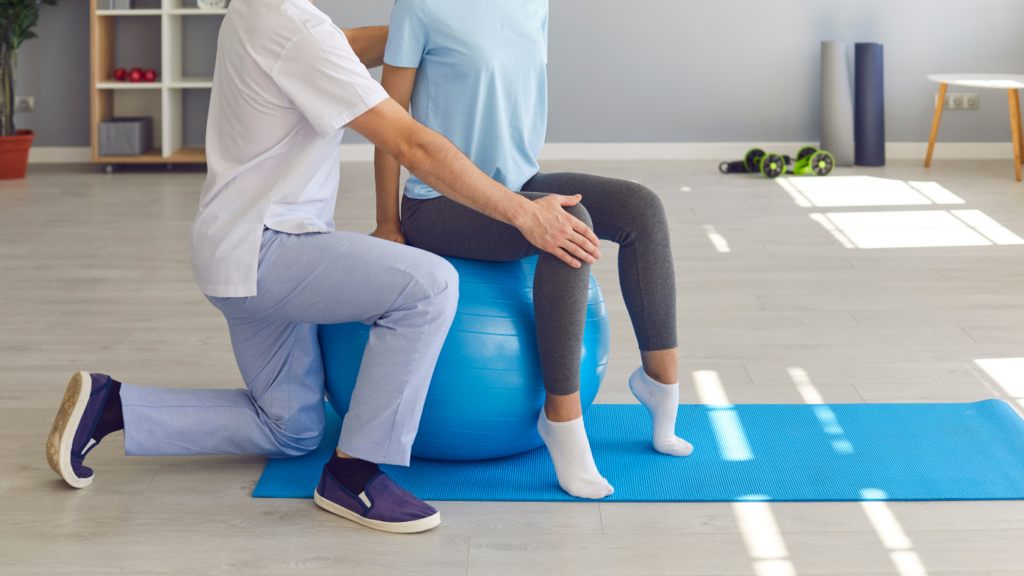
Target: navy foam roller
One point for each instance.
(486, 392)
(869, 105)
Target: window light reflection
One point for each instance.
(916, 229)
(725, 421)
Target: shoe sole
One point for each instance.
(411, 527)
(62, 434)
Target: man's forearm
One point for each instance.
(368, 44)
(443, 167)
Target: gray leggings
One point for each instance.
(616, 210)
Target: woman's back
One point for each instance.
(481, 79)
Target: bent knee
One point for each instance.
(296, 433)
(640, 196)
(302, 446)
(291, 446)
(438, 279)
(579, 211)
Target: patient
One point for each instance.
(475, 72)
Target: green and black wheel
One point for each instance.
(822, 163)
(773, 165)
(805, 152)
(752, 161)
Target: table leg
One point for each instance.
(935, 124)
(1016, 130)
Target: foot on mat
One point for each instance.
(382, 505)
(662, 401)
(574, 463)
(90, 410)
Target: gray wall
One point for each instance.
(652, 70)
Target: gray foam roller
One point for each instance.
(836, 103)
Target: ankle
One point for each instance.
(111, 418)
(352, 473)
(562, 413)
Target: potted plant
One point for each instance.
(17, 19)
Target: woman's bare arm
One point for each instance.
(398, 82)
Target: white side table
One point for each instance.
(1012, 83)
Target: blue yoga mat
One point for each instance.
(779, 452)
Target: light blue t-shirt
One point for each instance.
(482, 80)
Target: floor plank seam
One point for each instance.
(975, 340)
(153, 479)
(854, 316)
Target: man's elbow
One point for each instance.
(409, 151)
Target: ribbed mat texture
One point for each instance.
(778, 452)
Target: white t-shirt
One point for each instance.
(286, 83)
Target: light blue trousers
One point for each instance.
(408, 296)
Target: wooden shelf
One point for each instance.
(155, 156)
(196, 12)
(190, 83)
(159, 11)
(118, 85)
(133, 12)
(162, 100)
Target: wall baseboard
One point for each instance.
(59, 155)
(634, 151)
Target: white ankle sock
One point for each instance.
(574, 463)
(662, 401)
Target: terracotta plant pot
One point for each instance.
(14, 154)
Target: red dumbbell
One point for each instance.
(120, 74)
(149, 75)
(135, 75)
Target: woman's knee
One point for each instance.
(579, 211)
(643, 199)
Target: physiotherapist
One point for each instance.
(265, 252)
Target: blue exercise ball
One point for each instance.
(487, 392)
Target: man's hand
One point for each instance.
(389, 232)
(549, 227)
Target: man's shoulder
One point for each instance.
(279, 17)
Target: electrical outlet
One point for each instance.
(958, 101)
(24, 103)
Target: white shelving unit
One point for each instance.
(170, 85)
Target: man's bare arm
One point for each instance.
(439, 164)
(368, 44)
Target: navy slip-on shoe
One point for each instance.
(383, 505)
(71, 435)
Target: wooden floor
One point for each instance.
(94, 275)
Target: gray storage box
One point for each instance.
(120, 4)
(125, 136)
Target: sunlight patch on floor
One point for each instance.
(916, 229)
(826, 417)
(891, 533)
(725, 421)
(1008, 373)
(835, 191)
(763, 538)
(719, 242)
